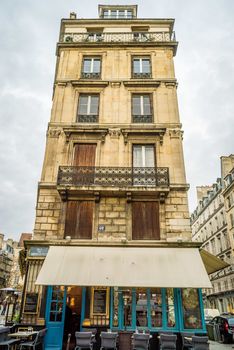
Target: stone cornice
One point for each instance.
(100, 133)
(127, 244)
(158, 132)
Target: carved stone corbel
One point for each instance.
(97, 197)
(129, 197)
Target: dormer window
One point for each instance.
(117, 14)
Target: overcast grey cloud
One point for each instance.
(204, 68)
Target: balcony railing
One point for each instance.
(90, 75)
(87, 118)
(112, 176)
(142, 118)
(141, 75)
(118, 37)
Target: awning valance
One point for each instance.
(125, 267)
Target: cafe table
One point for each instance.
(22, 334)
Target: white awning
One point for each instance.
(124, 267)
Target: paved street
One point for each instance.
(217, 346)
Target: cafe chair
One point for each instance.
(38, 340)
(186, 340)
(168, 341)
(93, 331)
(108, 340)
(140, 341)
(7, 342)
(200, 343)
(84, 340)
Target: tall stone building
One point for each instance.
(213, 225)
(112, 214)
(7, 247)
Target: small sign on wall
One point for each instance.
(101, 228)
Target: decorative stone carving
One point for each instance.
(115, 84)
(114, 133)
(54, 132)
(176, 134)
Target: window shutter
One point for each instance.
(145, 221)
(79, 219)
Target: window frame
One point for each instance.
(146, 118)
(141, 75)
(92, 75)
(88, 118)
(126, 11)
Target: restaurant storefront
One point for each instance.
(119, 288)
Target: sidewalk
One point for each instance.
(218, 346)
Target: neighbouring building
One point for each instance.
(213, 225)
(112, 238)
(7, 248)
(16, 280)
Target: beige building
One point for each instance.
(7, 248)
(212, 223)
(112, 196)
(16, 280)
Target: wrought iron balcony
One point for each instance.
(118, 37)
(90, 75)
(141, 75)
(87, 118)
(112, 176)
(142, 118)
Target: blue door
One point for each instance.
(55, 314)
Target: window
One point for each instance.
(144, 173)
(88, 108)
(141, 109)
(91, 68)
(232, 220)
(141, 67)
(118, 14)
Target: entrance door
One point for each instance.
(55, 314)
(143, 165)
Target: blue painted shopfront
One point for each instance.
(154, 309)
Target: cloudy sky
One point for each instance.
(204, 69)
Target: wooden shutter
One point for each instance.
(84, 154)
(79, 219)
(145, 220)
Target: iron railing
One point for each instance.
(112, 176)
(87, 118)
(142, 118)
(141, 75)
(118, 37)
(85, 75)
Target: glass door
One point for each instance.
(143, 165)
(55, 314)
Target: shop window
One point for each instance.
(116, 307)
(191, 308)
(88, 108)
(142, 108)
(127, 302)
(170, 302)
(156, 307)
(141, 307)
(91, 68)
